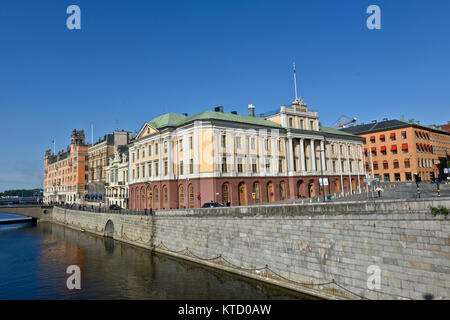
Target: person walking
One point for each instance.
(379, 190)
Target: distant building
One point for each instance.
(446, 127)
(98, 157)
(65, 174)
(117, 178)
(395, 150)
(179, 161)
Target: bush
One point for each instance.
(440, 209)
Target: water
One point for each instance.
(34, 260)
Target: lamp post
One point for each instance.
(322, 187)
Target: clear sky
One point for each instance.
(134, 60)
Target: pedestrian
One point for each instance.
(379, 190)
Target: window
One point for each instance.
(224, 141)
(396, 164)
(156, 192)
(156, 148)
(256, 190)
(137, 158)
(302, 125)
(191, 166)
(225, 195)
(282, 191)
(180, 143)
(181, 194)
(290, 122)
(224, 164)
(238, 142)
(156, 169)
(311, 124)
(403, 134)
(181, 167)
(143, 153)
(149, 169)
(266, 144)
(254, 166)
(375, 165)
(397, 177)
(407, 163)
(165, 194)
(150, 150)
(166, 168)
(280, 165)
(239, 165)
(279, 145)
(408, 176)
(191, 194)
(253, 143)
(385, 165)
(165, 146)
(191, 144)
(267, 165)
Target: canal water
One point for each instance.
(34, 261)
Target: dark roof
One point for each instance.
(377, 126)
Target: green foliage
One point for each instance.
(21, 193)
(440, 209)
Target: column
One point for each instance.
(261, 154)
(233, 153)
(290, 155)
(322, 155)
(196, 149)
(302, 156)
(170, 158)
(160, 158)
(216, 152)
(274, 167)
(247, 150)
(312, 155)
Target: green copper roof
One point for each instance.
(167, 120)
(206, 115)
(335, 131)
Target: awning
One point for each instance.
(364, 140)
(405, 146)
(372, 138)
(394, 147)
(365, 150)
(383, 148)
(374, 149)
(403, 132)
(382, 136)
(392, 135)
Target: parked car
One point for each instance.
(212, 205)
(114, 207)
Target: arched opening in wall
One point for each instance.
(353, 184)
(191, 196)
(257, 191)
(270, 192)
(155, 197)
(149, 198)
(311, 189)
(181, 197)
(109, 229)
(345, 184)
(337, 185)
(136, 198)
(143, 198)
(165, 195)
(225, 193)
(299, 188)
(242, 194)
(282, 190)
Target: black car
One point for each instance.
(114, 207)
(212, 205)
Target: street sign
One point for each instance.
(323, 181)
(369, 180)
(446, 170)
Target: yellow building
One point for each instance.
(179, 161)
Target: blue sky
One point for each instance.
(134, 60)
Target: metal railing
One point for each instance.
(97, 209)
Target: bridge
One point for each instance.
(35, 212)
(19, 200)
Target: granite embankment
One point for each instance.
(328, 250)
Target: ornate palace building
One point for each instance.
(98, 159)
(396, 150)
(117, 178)
(179, 161)
(65, 174)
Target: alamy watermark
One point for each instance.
(74, 280)
(374, 279)
(374, 20)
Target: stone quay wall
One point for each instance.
(327, 250)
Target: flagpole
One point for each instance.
(295, 83)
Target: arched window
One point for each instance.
(165, 194)
(282, 190)
(256, 190)
(225, 193)
(396, 164)
(181, 193)
(385, 164)
(156, 195)
(191, 194)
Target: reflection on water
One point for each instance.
(33, 263)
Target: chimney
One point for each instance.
(385, 119)
(374, 121)
(185, 114)
(218, 109)
(234, 112)
(251, 110)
